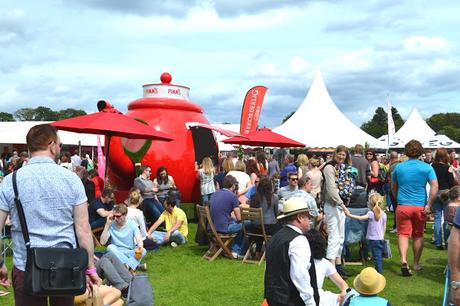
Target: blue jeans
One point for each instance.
(438, 207)
(376, 247)
(126, 256)
(238, 242)
(176, 236)
(152, 209)
(206, 199)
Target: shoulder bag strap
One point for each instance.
(22, 217)
(313, 281)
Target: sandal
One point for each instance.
(418, 268)
(405, 271)
(3, 293)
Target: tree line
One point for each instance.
(40, 113)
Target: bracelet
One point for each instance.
(91, 271)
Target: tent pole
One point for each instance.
(107, 151)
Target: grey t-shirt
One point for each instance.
(48, 194)
(145, 186)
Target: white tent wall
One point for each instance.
(16, 132)
(319, 123)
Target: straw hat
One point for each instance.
(294, 206)
(369, 281)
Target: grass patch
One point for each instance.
(180, 277)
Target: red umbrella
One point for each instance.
(110, 124)
(264, 137)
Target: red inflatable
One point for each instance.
(167, 108)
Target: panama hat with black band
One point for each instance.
(294, 206)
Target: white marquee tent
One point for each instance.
(441, 141)
(15, 133)
(319, 123)
(416, 128)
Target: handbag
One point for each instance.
(51, 271)
(140, 292)
(387, 249)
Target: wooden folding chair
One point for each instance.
(256, 216)
(94, 232)
(218, 242)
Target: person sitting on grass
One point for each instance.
(109, 295)
(175, 224)
(324, 268)
(368, 283)
(123, 233)
(375, 228)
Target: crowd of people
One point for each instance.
(305, 203)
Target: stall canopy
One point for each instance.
(15, 133)
(319, 123)
(415, 128)
(382, 143)
(441, 141)
(264, 137)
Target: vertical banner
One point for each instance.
(100, 159)
(251, 110)
(391, 124)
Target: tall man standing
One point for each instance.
(408, 185)
(54, 203)
(287, 277)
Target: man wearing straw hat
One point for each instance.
(287, 275)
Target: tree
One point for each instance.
(69, 113)
(287, 117)
(6, 117)
(447, 124)
(378, 125)
(42, 113)
(25, 114)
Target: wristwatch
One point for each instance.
(454, 285)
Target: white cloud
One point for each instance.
(421, 44)
(299, 65)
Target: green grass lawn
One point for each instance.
(180, 277)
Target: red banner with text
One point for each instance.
(252, 108)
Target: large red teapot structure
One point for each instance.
(167, 108)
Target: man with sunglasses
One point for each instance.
(101, 208)
(55, 209)
(292, 188)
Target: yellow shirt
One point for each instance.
(171, 219)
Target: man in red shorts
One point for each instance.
(409, 180)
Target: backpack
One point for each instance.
(346, 181)
(140, 292)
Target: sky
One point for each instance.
(70, 54)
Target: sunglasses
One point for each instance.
(369, 153)
(59, 144)
(117, 216)
(294, 179)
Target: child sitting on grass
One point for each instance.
(375, 229)
(368, 283)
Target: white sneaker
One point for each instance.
(394, 231)
(174, 244)
(235, 255)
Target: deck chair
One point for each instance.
(218, 242)
(255, 216)
(94, 233)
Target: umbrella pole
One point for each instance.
(107, 151)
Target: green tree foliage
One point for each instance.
(6, 117)
(42, 113)
(378, 125)
(287, 117)
(69, 113)
(447, 124)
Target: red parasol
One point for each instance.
(264, 137)
(110, 124)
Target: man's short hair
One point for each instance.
(359, 149)
(303, 181)
(144, 167)
(290, 158)
(107, 192)
(229, 181)
(40, 136)
(413, 149)
(291, 173)
(171, 198)
(120, 209)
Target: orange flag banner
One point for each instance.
(252, 108)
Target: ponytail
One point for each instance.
(376, 200)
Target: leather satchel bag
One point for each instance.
(51, 271)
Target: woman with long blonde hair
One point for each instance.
(375, 228)
(206, 176)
